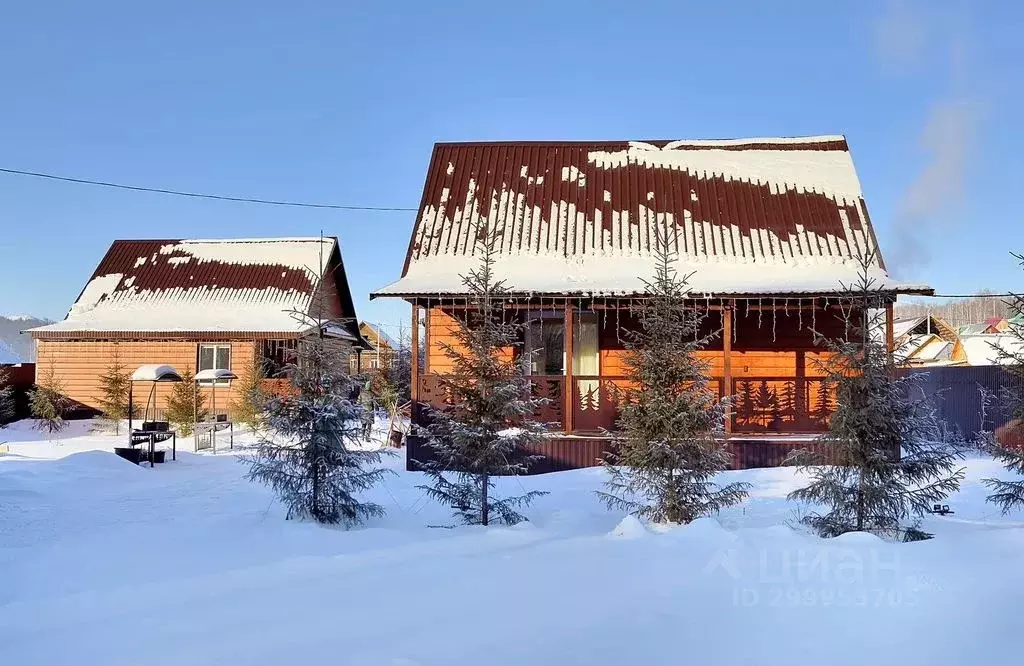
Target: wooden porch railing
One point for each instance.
(781, 405)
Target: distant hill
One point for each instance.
(15, 347)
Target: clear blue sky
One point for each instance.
(342, 101)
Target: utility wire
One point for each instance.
(196, 195)
(971, 295)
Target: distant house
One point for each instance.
(382, 352)
(767, 229)
(197, 305)
(990, 326)
(927, 341)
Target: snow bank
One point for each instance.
(187, 563)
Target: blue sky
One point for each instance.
(341, 102)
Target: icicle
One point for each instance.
(800, 314)
(759, 311)
(774, 317)
(814, 315)
(732, 312)
(785, 306)
(618, 324)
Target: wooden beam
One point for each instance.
(415, 351)
(889, 342)
(426, 341)
(727, 360)
(569, 391)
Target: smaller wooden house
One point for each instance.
(197, 305)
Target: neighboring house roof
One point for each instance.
(225, 286)
(373, 333)
(925, 349)
(985, 349)
(974, 329)
(997, 324)
(746, 216)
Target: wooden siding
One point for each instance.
(78, 365)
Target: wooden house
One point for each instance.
(197, 305)
(382, 352)
(927, 341)
(767, 229)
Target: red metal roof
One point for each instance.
(782, 202)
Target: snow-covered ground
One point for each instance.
(103, 562)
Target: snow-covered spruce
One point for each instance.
(481, 433)
(114, 384)
(882, 463)
(48, 402)
(309, 455)
(670, 447)
(1008, 495)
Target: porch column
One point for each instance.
(426, 339)
(415, 354)
(569, 390)
(889, 343)
(727, 360)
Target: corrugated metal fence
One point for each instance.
(956, 393)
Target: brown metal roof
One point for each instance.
(164, 270)
(785, 202)
(238, 287)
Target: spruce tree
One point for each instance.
(7, 404)
(186, 405)
(488, 421)
(114, 385)
(1009, 494)
(671, 446)
(310, 454)
(881, 464)
(47, 402)
(251, 398)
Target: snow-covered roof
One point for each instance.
(745, 216)
(984, 349)
(236, 285)
(901, 327)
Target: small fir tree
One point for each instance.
(1009, 494)
(310, 455)
(7, 404)
(114, 385)
(48, 403)
(186, 405)
(488, 421)
(671, 444)
(881, 465)
(247, 408)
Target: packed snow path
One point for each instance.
(103, 562)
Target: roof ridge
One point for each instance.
(733, 141)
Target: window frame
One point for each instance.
(199, 359)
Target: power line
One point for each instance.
(971, 295)
(197, 195)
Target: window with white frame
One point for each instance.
(215, 357)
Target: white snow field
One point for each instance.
(103, 562)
